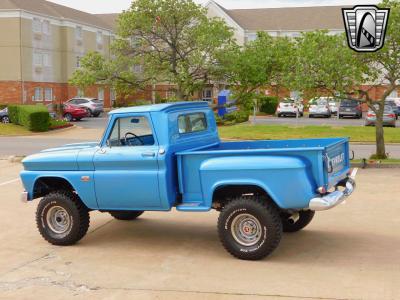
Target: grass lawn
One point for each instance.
(379, 161)
(281, 132)
(11, 129)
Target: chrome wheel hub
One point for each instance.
(246, 229)
(58, 220)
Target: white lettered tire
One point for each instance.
(250, 228)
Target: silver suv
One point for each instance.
(93, 106)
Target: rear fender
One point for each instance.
(286, 179)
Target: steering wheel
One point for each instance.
(134, 135)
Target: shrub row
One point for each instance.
(32, 117)
(268, 104)
(233, 118)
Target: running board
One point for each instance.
(192, 206)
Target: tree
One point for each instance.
(259, 64)
(172, 41)
(325, 64)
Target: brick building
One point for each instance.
(41, 44)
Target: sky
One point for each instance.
(115, 6)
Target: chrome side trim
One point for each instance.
(332, 199)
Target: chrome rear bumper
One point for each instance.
(335, 198)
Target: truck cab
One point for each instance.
(169, 156)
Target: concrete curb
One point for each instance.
(42, 133)
(374, 166)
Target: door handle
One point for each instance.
(148, 154)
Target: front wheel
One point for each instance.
(5, 120)
(62, 219)
(297, 221)
(126, 215)
(249, 228)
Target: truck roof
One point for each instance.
(160, 107)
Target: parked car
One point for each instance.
(289, 107)
(319, 107)
(164, 156)
(389, 117)
(350, 108)
(74, 112)
(396, 109)
(4, 118)
(93, 106)
(333, 106)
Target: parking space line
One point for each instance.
(10, 181)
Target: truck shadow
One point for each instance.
(201, 239)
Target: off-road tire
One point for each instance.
(126, 215)
(305, 217)
(78, 215)
(268, 217)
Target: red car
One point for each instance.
(71, 112)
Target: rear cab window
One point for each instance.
(192, 122)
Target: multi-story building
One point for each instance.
(41, 44)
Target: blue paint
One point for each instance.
(184, 170)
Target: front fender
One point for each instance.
(85, 189)
(286, 179)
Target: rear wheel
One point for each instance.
(249, 228)
(68, 117)
(62, 219)
(297, 221)
(96, 115)
(126, 215)
(5, 120)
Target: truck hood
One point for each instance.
(64, 158)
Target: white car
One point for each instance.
(319, 107)
(333, 106)
(289, 107)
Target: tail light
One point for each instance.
(370, 115)
(392, 116)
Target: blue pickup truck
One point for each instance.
(159, 157)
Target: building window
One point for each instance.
(113, 96)
(100, 95)
(78, 33)
(48, 94)
(207, 94)
(78, 61)
(99, 39)
(37, 25)
(37, 59)
(80, 92)
(38, 94)
(46, 59)
(46, 27)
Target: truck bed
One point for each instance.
(326, 160)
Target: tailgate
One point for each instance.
(337, 161)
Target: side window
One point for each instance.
(131, 131)
(192, 123)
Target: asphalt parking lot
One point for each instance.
(349, 252)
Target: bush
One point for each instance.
(234, 118)
(13, 114)
(32, 117)
(3, 106)
(268, 104)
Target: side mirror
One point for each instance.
(108, 143)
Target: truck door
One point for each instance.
(126, 166)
